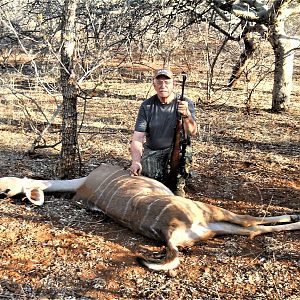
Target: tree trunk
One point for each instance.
(283, 74)
(284, 50)
(69, 92)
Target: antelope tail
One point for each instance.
(169, 262)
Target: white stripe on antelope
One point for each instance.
(151, 209)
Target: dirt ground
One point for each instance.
(247, 163)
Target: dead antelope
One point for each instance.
(149, 208)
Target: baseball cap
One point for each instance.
(163, 72)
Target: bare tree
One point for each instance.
(268, 20)
(257, 20)
(69, 92)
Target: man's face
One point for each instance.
(163, 86)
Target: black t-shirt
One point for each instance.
(159, 121)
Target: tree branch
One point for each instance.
(251, 10)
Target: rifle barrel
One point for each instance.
(183, 84)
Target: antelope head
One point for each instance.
(11, 186)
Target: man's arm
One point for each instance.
(136, 149)
(190, 125)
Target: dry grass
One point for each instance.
(248, 163)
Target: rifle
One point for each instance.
(178, 155)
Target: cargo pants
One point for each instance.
(155, 164)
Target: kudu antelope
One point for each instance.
(151, 209)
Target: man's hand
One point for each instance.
(136, 168)
(136, 149)
(183, 109)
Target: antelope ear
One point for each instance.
(35, 195)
